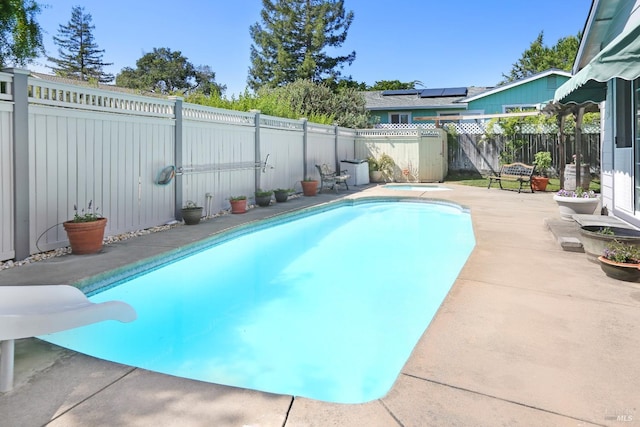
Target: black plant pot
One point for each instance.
(191, 216)
(263, 201)
(281, 196)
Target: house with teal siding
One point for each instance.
(424, 106)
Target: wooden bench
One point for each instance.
(517, 172)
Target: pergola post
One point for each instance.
(579, 114)
(561, 146)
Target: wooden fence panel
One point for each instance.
(469, 153)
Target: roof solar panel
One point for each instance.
(400, 92)
(455, 91)
(431, 93)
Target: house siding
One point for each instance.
(533, 92)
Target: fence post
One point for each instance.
(335, 149)
(177, 112)
(304, 148)
(258, 155)
(21, 173)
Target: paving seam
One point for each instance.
(503, 399)
(286, 415)
(540, 291)
(390, 412)
(91, 396)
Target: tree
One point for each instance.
(345, 83)
(393, 85)
(79, 56)
(318, 102)
(167, 71)
(290, 43)
(538, 57)
(20, 34)
(205, 81)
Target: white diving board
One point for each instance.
(29, 311)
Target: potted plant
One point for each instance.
(542, 162)
(85, 231)
(386, 165)
(595, 238)
(238, 204)
(191, 213)
(621, 261)
(374, 169)
(282, 194)
(309, 186)
(381, 169)
(263, 197)
(572, 202)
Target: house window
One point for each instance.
(624, 120)
(443, 116)
(636, 131)
(519, 108)
(399, 118)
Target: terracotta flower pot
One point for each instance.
(309, 188)
(85, 237)
(539, 183)
(238, 206)
(620, 271)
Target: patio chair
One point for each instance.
(332, 179)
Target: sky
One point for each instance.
(441, 43)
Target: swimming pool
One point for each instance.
(327, 304)
(416, 187)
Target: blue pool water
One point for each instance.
(415, 187)
(327, 306)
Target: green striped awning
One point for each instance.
(621, 58)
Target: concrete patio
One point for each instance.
(530, 335)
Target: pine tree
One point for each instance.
(289, 43)
(539, 58)
(79, 56)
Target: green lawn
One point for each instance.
(479, 181)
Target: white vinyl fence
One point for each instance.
(420, 155)
(64, 145)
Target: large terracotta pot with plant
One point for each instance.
(542, 163)
(85, 231)
(309, 187)
(238, 204)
